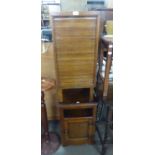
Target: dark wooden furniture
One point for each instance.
(108, 42)
(77, 123)
(75, 37)
(46, 85)
(105, 76)
(49, 141)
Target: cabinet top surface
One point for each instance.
(75, 13)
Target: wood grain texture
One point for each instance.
(76, 46)
(77, 127)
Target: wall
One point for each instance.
(109, 3)
(73, 5)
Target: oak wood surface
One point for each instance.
(76, 106)
(76, 45)
(77, 127)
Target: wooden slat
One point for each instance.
(75, 80)
(76, 56)
(83, 54)
(75, 52)
(74, 43)
(76, 83)
(73, 69)
(73, 32)
(73, 63)
(76, 106)
(76, 22)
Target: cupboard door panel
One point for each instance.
(78, 131)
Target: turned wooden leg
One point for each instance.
(44, 117)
